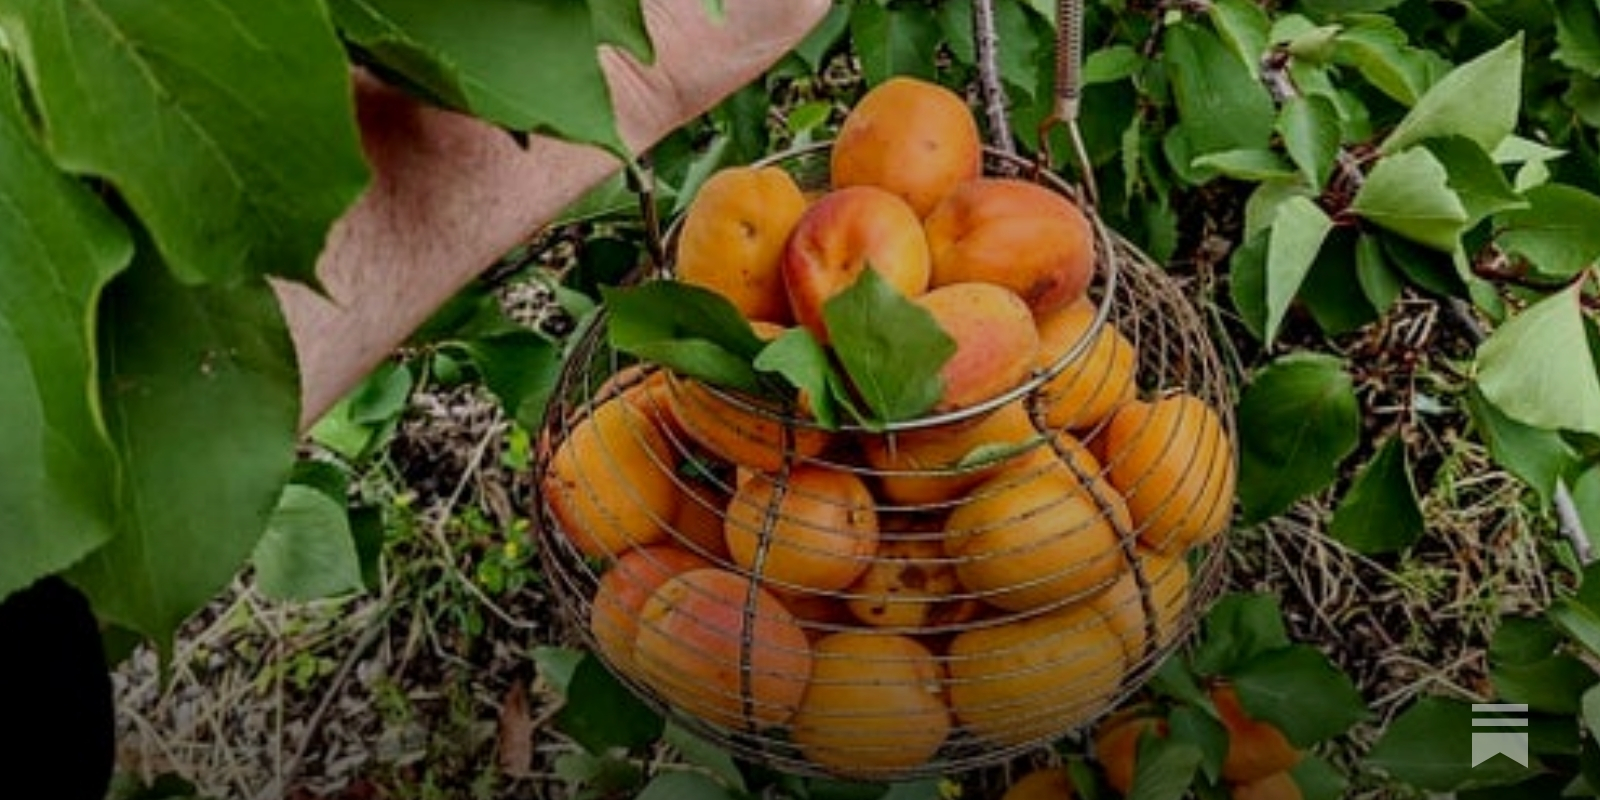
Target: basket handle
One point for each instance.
(1069, 62)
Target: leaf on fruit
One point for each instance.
(307, 552)
(688, 329)
(890, 347)
(59, 247)
(1429, 746)
(228, 129)
(1479, 100)
(1538, 370)
(1380, 512)
(1299, 419)
(802, 360)
(1409, 193)
(1556, 233)
(1301, 692)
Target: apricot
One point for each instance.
(1013, 233)
(934, 465)
(1173, 462)
(1097, 381)
(648, 392)
(714, 645)
(1045, 783)
(1116, 744)
(1166, 578)
(1023, 680)
(622, 592)
(841, 234)
(996, 341)
(910, 584)
(732, 237)
(1034, 541)
(1256, 748)
(815, 528)
(743, 435)
(697, 525)
(610, 483)
(911, 137)
(874, 707)
(1277, 786)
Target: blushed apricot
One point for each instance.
(715, 646)
(697, 525)
(732, 238)
(874, 707)
(927, 466)
(1013, 233)
(1097, 381)
(1173, 462)
(752, 437)
(622, 592)
(812, 529)
(996, 341)
(609, 483)
(839, 236)
(911, 137)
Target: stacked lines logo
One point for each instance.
(1494, 733)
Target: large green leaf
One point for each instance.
(308, 551)
(1409, 193)
(1380, 512)
(229, 128)
(201, 399)
(1578, 36)
(1556, 233)
(1478, 100)
(529, 66)
(1296, 238)
(1430, 747)
(58, 248)
(1537, 367)
(894, 40)
(1298, 420)
(1297, 689)
(1539, 456)
(1222, 104)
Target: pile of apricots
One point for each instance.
(878, 601)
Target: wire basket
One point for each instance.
(884, 604)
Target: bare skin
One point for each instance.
(451, 194)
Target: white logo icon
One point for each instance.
(1509, 736)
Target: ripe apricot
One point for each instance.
(1277, 786)
(929, 466)
(1026, 541)
(996, 341)
(841, 234)
(1166, 578)
(622, 592)
(761, 439)
(1256, 748)
(697, 525)
(875, 705)
(813, 529)
(1045, 783)
(609, 483)
(647, 392)
(722, 649)
(909, 584)
(1116, 744)
(1173, 462)
(911, 137)
(1023, 680)
(732, 237)
(1097, 381)
(1014, 233)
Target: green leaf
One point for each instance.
(684, 785)
(1298, 419)
(1297, 689)
(894, 40)
(1429, 746)
(382, 395)
(800, 359)
(1117, 62)
(823, 38)
(1164, 769)
(1555, 232)
(1319, 780)
(1378, 280)
(1244, 25)
(1246, 165)
(1479, 100)
(59, 247)
(524, 66)
(1295, 239)
(1590, 708)
(201, 399)
(1477, 180)
(1380, 512)
(1579, 621)
(1247, 282)
(1337, 303)
(600, 713)
(1523, 640)
(691, 330)
(1585, 490)
(1222, 105)
(1190, 724)
(1578, 36)
(1409, 193)
(1554, 685)
(307, 552)
(1239, 628)
(1537, 367)
(521, 368)
(1539, 456)
(709, 756)
(229, 129)
(623, 24)
(1309, 127)
(1377, 48)
(890, 347)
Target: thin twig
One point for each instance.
(990, 88)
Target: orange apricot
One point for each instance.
(1256, 748)
(1173, 461)
(995, 337)
(875, 705)
(745, 435)
(934, 465)
(1166, 579)
(622, 592)
(1097, 381)
(1014, 233)
(732, 237)
(813, 529)
(910, 584)
(1045, 783)
(912, 137)
(610, 483)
